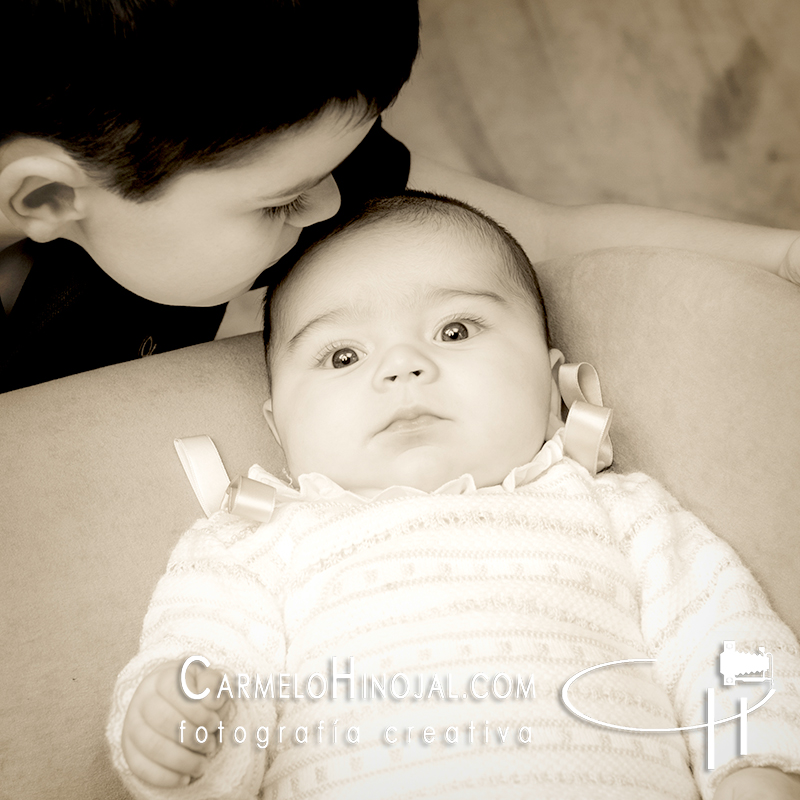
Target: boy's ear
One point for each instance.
(554, 422)
(40, 189)
(270, 418)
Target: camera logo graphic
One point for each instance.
(733, 666)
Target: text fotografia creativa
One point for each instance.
(345, 682)
(342, 681)
(328, 733)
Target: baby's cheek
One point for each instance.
(522, 441)
(315, 449)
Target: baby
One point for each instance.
(438, 568)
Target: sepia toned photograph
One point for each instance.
(400, 399)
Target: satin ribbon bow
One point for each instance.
(586, 430)
(214, 489)
(248, 498)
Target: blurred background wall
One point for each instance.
(686, 104)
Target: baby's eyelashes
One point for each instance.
(340, 355)
(460, 328)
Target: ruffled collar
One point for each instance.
(313, 486)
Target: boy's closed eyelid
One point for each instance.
(296, 206)
(294, 191)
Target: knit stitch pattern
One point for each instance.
(560, 574)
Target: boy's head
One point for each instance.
(118, 111)
(410, 347)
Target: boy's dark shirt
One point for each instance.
(71, 317)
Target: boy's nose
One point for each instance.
(404, 363)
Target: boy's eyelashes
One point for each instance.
(296, 206)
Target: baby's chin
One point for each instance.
(426, 475)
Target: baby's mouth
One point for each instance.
(412, 425)
(411, 420)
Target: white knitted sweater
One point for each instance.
(542, 579)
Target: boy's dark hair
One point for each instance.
(137, 90)
(412, 206)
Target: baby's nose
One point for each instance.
(404, 363)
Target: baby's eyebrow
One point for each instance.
(351, 313)
(329, 316)
(446, 293)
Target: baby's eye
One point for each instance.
(454, 332)
(344, 357)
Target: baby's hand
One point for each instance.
(152, 735)
(759, 783)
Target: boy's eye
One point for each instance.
(297, 205)
(344, 357)
(454, 332)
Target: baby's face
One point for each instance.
(403, 355)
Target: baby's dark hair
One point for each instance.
(411, 207)
(139, 90)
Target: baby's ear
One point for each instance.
(555, 421)
(270, 418)
(41, 189)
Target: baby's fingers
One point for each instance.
(194, 728)
(206, 712)
(157, 759)
(210, 679)
(153, 773)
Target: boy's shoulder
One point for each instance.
(71, 317)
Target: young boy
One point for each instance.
(184, 150)
(159, 158)
(436, 533)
